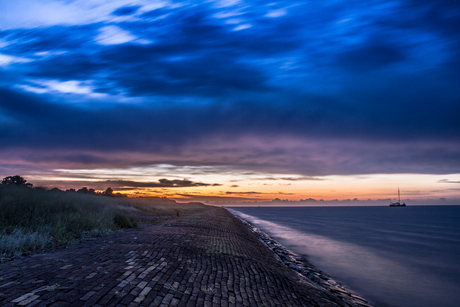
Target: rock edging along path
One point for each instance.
(208, 258)
(306, 269)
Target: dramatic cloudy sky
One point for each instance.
(233, 99)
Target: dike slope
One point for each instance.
(206, 258)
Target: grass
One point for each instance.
(34, 219)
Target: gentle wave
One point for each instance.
(384, 281)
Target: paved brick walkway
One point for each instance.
(207, 258)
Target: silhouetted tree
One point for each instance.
(16, 180)
(83, 190)
(109, 192)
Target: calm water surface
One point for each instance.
(399, 257)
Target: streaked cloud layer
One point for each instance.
(292, 89)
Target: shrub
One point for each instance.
(33, 219)
(20, 240)
(122, 221)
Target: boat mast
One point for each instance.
(399, 197)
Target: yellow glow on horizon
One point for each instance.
(363, 187)
(225, 184)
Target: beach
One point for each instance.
(205, 258)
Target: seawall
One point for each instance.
(305, 269)
(205, 258)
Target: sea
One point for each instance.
(391, 256)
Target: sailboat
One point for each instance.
(398, 203)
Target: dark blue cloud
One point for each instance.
(57, 125)
(175, 76)
(65, 67)
(371, 56)
(203, 74)
(72, 39)
(126, 10)
(442, 16)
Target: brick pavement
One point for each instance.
(208, 258)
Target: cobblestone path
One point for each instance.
(208, 258)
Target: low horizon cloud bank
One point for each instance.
(162, 183)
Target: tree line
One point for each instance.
(21, 182)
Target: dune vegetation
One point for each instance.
(32, 219)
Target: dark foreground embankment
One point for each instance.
(208, 258)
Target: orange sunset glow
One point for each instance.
(224, 186)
